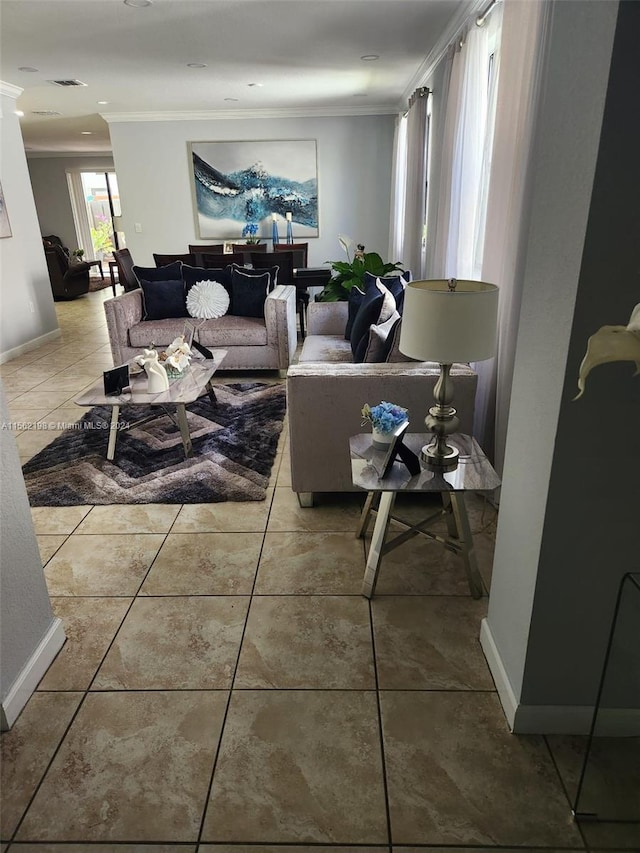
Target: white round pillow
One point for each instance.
(207, 300)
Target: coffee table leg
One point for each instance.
(377, 542)
(211, 393)
(466, 542)
(184, 429)
(113, 432)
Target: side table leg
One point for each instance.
(212, 394)
(466, 542)
(361, 532)
(113, 432)
(184, 429)
(387, 500)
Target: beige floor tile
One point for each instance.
(332, 512)
(397, 849)
(22, 418)
(293, 848)
(60, 519)
(616, 836)
(133, 767)
(105, 848)
(307, 642)
(176, 644)
(456, 775)
(112, 564)
(31, 442)
(42, 399)
(141, 518)
(27, 749)
(310, 563)
(224, 517)
(284, 472)
(205, 564)
(429, 643)
(299, 766)
(90, 624)
(48, 546)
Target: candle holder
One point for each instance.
(274, 231)
(289, 229)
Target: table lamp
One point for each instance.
(447, 321)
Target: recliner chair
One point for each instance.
(68, 281)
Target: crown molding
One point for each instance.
(463, 17)
(292, 112)
(10, 90)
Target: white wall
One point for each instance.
(27, 313)
(551, 597)
(354, 179)
(51, 191)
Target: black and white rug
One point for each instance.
(234, 447)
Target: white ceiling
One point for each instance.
(305, 53)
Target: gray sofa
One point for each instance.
(251, 343)
(326, 392)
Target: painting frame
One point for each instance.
(239, 182)
(5, 225)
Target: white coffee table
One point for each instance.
(183, 390)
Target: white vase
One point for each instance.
(157, 380)
(380, 440)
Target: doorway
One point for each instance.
(95, 201)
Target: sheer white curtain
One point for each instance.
(398, 190)
(413, 249)
(524, 29)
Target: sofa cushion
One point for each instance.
(377, 306)
(257, 272)
(354, 301)
(374, 347)
(163, 300)
(325, 348)
(207, 300)
(393, 353)
(224, 332)
(248, 292)
(395, 283)
(191, 275)
(170, 272)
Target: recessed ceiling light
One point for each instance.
(370, 57)
(196, 65)
(19, 113)
(137, 3)
(86, 132)
(231, 99)
(27, 68)
(254, 85)
(103, 103)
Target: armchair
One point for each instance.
(68, 281)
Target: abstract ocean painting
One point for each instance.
(236, 183)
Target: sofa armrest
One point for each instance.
(327, 318)
(280, 318)
(122, 313)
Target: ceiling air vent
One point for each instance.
(67, 83)
(45, 113)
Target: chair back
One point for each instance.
(54, 240)
(163, 260)
(215, 261)
(300, 250)
(124, 263)
(67, 280)
(210, 249)
(247, 248)
(283, 260)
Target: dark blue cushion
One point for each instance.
(394, 283)
(170, 272)
(256, 271)
(163, 300)
(355, 298)
(377, 306)
(248, 293)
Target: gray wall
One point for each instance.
(27, 310)
(51, 191)
(355, 156)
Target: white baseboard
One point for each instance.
(553, 719)
(31, 673)
(29, 345)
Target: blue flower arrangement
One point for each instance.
(250, 231)
(384, 417)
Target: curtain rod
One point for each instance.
(422, 92)
(482, 17)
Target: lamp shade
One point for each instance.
(446, 325)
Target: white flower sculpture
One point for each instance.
(207, 300)
(178, 354)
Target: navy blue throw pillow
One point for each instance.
(163, 300)
(355, 298)
(377, 306)
(256, 271)
(192, 275)
(170, 272)
(394, 283)
(249, 293)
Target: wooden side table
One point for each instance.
(474, 473)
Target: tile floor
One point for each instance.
(224, 686)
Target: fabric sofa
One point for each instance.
(326, 392)
(252, 343)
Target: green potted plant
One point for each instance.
(78, 254)
(351, 272)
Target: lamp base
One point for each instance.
(439, 458)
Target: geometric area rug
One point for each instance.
(234, 447)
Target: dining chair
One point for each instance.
(199, 250)
(124, 265)
(300, 250)
(163, 260)
(215, 261)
